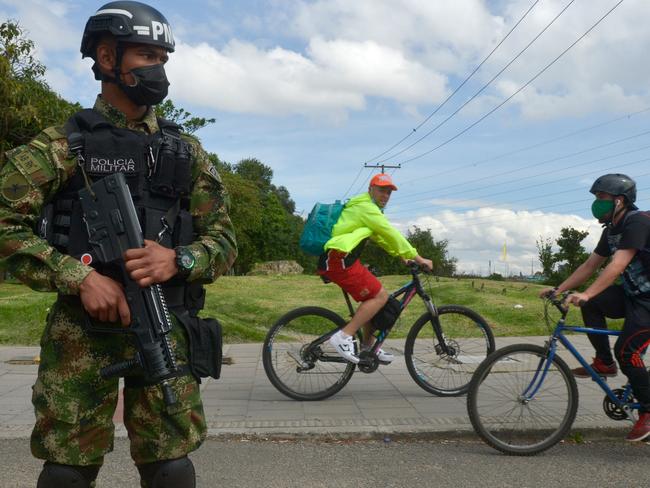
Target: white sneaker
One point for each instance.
(344, 346)
(385, 357)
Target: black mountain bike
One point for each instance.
(443, 348)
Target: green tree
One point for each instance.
(246, 214)
(167, 110)
(546, 256)
(27, 104)
(17, 51)
(380, 261)
(571, 252)
(437, 251)
(262, 214)
(570, 255)
(255, 171)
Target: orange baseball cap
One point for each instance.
(383, 179)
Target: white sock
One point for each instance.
(344, 335)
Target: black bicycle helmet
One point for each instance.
(616, 184)
(129, 22)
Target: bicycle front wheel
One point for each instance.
(521, 404)
(297, 358)
(468, 339)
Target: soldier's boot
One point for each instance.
(171, 473)
(56, 475)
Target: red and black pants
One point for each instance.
(634, 339)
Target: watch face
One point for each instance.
(187, 261)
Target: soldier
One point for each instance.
(183, 211)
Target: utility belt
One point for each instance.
(204, 335)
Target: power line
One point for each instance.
(457, 88)
(364, 182)
(527, 148)
(516, 92)
(445, 189)
(545, 183)
(444, 121)
(483, 220)
(353, 182)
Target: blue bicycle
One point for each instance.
(523, 398)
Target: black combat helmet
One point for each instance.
(129, 22)
(616, 184)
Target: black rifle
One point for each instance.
(113, 228)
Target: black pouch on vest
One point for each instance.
(387, 316)
(205, 345)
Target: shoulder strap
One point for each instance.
(88, 119)
(169, 127)
(628, 215)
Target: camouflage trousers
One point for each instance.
(74, 406)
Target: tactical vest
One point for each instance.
(636, 277)
(157, 168)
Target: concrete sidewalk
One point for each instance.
(243, 401)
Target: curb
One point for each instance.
(576, 436)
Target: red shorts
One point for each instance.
(355, 279)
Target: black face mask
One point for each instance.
(150, 85)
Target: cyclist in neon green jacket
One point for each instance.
(362, 219)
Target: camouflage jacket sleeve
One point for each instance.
(215, 248)
(30, 176)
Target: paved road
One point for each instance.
(244, 402)
(371, 464)
(386, 403)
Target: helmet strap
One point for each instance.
(119, 55)
(615, 213)
(117, 69)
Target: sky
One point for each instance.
(316, 89)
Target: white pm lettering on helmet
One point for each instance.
(142, 30)
(158, 28)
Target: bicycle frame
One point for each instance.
(558, 335)
(407, 292)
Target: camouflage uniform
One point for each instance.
(74, 406)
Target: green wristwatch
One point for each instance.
(184, 261)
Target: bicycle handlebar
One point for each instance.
(558, 301)
(416, 268)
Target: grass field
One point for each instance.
(248, 305)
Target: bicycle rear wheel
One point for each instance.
(469, 340)
(298, 361)
(508, 413)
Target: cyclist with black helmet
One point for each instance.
(189, 240)
(625, 241)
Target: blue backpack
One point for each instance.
(318, 228)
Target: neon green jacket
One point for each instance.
(361, 218)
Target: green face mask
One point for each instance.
(600, 208)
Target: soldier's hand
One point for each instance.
(103, 299)
(151, 264)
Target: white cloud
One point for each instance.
(47, 24)
(333, 77)
(445, 34)
(325, 58)
(477, 236)
(603, 71)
